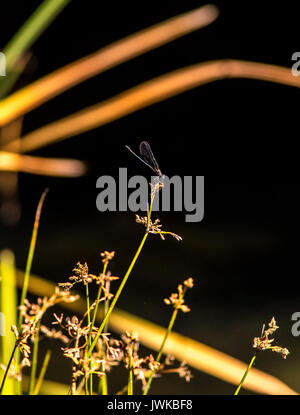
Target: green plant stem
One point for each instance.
(34, 359)
(116, 297)
(89, 337)
(30, 255)
(98, 298)
(74, 367)
(130, 377)
(93, 323)
(94, 318)
(118, 293)
(150, 210)
(28, 268)
(160, 352)
(88, 303)
(87, 295)
(87, 378)
(42, 372)
(26, 36)
(103, 378)
(245, 374)
(7, 368)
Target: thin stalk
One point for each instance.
(42, 372)
(28, 269)
(160, 352)
(7, 368)
(168, 331)
(31, 254)
(98, 297)
(89, 338)
(245, 374)
(88, 303)
(94, 318)
(106, 302)
(86, 381)
(92, 325)
(34, 359)
(87, 295)
(150, 210)
(73, 385)
(116, 297)
(103, 378)
(130, 377)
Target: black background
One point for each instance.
(241, 134)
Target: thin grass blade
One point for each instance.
(112, 55)
(26, 36)
(149, 93)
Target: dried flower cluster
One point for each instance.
(265, 343)
(183, 370)
(177, 299)
(107, 256)
(32, 315)
(155, 227)
(77, 334)
(81, 333)
(127, 351)
(117, 351)
(82, 275)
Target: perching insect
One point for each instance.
(148, 157)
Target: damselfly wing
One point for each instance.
(148, 157)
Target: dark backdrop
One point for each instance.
(241, 134)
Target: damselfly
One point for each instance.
(148, 157)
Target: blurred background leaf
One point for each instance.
(8, 308)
